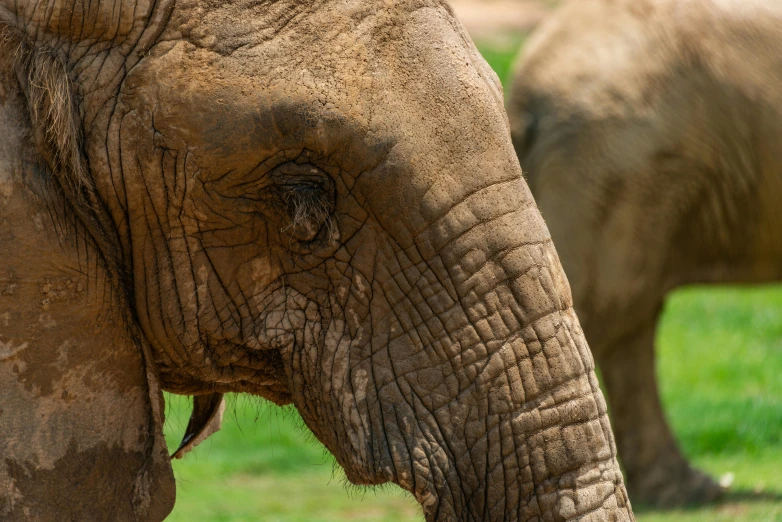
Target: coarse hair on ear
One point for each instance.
(55, 128)
(44, 79)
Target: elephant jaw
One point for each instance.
(524, 435)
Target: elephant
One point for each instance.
(314, 202)
(648, 131)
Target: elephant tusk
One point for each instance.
(206, 419)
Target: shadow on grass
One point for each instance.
(746, 495)
(730, 498)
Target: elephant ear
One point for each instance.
(81, 411)
(81, 434)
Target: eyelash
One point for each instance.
(309, 208)
(307, 203)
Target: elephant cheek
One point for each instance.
(264, 272)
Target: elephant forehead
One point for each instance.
(415, 98)
(355, 55)
(229, 26)
(184, 83)
(355, 103)
(228, 119)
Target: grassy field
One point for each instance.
(721, 373)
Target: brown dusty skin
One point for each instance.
(315, 202)
(649, 132)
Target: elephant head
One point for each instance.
(314, 202)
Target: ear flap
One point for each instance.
(81, 412)
(81, 418)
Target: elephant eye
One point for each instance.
(307, 198)
(308, 211)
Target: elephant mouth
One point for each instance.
(228, 367)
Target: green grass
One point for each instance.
(720, 353)
(501, 55)
(264, 466)
(720, 370)
(737, 393)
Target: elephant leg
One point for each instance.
(656, 471)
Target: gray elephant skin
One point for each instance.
(649, 132)
(313, 202)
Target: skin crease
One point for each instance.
(317, 203)
(649, 134)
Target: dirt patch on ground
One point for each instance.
(490, 20)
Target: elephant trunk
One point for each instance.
(517, 426)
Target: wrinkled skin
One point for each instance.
(649, 133)
(314, 202)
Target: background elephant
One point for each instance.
(314, 202)
(649, 133)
